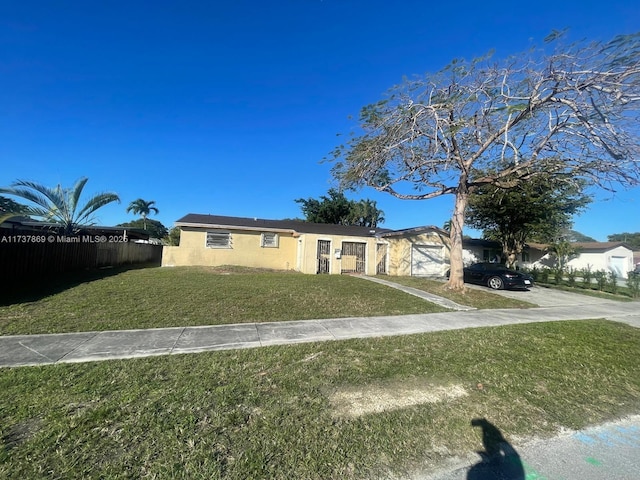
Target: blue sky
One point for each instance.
(228, 108)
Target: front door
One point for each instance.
(324, 256)
(353, 257)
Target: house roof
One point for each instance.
(259, 224)
(480, 242)
(600, 246)
(414, 231)
(586, 246)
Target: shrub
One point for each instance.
(544, 275)
(571, 277)
(587, 275)
(613, 282)
(633, 283)
(558, 274)
(601, 279)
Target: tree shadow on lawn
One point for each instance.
(34, 288)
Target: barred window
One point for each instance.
(269, 240)
(218, 240)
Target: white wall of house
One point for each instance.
(477, 254)
(617, 260)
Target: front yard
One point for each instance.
(355, 409)
(190, 296)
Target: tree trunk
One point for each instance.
(510, 249)
(456, 275)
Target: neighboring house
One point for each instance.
(612, 257)
(479, 250)
(213, 240)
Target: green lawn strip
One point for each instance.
(471, 297)
(169, 297)
(267, 412)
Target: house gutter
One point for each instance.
(238, 227)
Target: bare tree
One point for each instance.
(573, 111)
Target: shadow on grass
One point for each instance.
(499, 459)
(23, 290)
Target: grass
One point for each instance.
(269, 413)
(189, 296)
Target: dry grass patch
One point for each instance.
(352, 402)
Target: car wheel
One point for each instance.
(495, 283)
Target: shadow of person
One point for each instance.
(500, 461)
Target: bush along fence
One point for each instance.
(25, 254)
(588, 279)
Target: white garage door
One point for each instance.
(426, 260)
(618, 265)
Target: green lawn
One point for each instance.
(280, 412)
(169, 297)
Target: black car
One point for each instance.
(496, 276)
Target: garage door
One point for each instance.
(618, 265)
(427, 260)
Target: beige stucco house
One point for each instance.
(213, 240)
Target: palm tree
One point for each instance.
(143, 208)
(59, 205)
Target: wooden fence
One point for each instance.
(30, 254)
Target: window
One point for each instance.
(269, 240)
(218, 240)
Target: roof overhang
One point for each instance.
(213, 226)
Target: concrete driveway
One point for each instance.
(545, 297)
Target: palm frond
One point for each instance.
(94, 203)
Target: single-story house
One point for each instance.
(213, 240)
(614, 257)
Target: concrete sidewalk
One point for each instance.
(22, 350)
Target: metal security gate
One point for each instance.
(324, 256)
(381, 258)
(353, 257)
